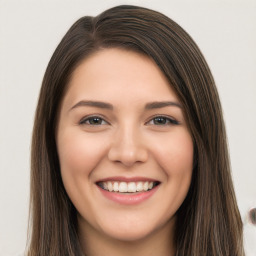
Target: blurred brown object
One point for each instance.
(252, 216)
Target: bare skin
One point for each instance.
(120, 121)
(163, 247)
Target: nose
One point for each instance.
(128, 148)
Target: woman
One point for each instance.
(129, 151)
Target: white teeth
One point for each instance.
(110, 186)
(139, 186)
(130, 187)
(145, 186)
(123, 187)
(115, 187)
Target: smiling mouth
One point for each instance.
(127, 187)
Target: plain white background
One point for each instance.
(30, 31)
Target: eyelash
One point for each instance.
(90, 118)
(167, 121)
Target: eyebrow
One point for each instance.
(97, 104)
(162, 104)
(104, 105)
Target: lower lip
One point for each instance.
(128, 199)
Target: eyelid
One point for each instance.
(86, 118)
(172, 121)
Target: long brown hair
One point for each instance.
(208, 221)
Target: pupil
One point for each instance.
(160, 120)
(95, 120)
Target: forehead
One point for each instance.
(115, 73)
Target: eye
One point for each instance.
(162, 120)
(93, 120)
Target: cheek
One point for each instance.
(175, 154)
(78, 154)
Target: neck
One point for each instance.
(159, 243)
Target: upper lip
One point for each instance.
(126, 179)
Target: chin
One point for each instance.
(134, 229)
(128, 234)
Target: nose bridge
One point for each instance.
(127, 134)
(128, 146)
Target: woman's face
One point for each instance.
(125, 150)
